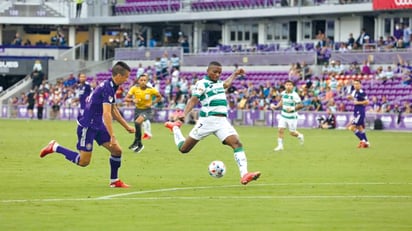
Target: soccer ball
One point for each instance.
(217, 169)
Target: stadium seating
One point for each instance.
(394, 90)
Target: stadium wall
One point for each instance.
(240, 117)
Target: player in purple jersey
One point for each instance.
(96, 124)
(360, 100)
(83, 90)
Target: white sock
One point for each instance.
(240, 158)
(179, 138)
(280, 142)
(147, 127)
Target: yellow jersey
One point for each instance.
(143, 98)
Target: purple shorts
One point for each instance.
(359, 119)
(86, 136)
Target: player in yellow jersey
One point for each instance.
(143, 97)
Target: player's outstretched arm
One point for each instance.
(189, 107)
(117, 116)
(228, 81)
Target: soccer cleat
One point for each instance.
(248, 177)
(146, 136)
(119, 184)
(133, 146)
(278, 148)
(363, 145)
(170, 124)
(301, 139)
(138, 149)
(48, 149)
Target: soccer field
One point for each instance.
(326, 184)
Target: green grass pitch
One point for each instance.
(326, 184)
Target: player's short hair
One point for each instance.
(289, 81)
(143, 74)
(357, 80)
(120, 68)
(214, 63)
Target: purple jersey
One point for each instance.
(93, 112)
(83, 91)
(359, 110)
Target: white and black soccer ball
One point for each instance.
(217, 169)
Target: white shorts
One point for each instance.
(218, 126)
(292, 124)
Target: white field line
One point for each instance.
(120, 195)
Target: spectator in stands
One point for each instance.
(113, 4)
(351, 41)
(398, 31)
(389, 43)
(40, 102)
(140, 70)
(79, 4)
(17, 40)
(27, 42)
(37, 77)
(164, 64)
(175, 62)
(140, 41)
(127, 41)
(406, 107)
(343, 47)
(341, 107)
(385, 104)
(331, 105)
(366, 68)
(56, 99)
(307, 71)
(70, 81)
(362, 38)
(54, 40)
(406, 35)
(152, 42)
(13, 106)
(375, 105)
(406, 78)
(329, 122)
(158, 68)
(316, 104)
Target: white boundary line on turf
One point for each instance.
(233, 186)
(119, 195)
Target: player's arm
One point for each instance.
(158, 98)
(107, 120)
(193, 101)
(128, 98)
(117, 116)
(363, 102)
(298, 106)
(228, 81)
(277, 105)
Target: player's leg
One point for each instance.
(115, 159)
(147, 129)
(354, 127)
(362, 133)
(84, 145)
(229, 136)
(281, 133)
(137, 145)
(293, 124)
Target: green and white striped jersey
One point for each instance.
(212, 97)
(289, 101)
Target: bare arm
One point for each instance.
(107, 120)
(228, 81)
(117, 116)
(189, 106)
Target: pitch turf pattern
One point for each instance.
(326, 184)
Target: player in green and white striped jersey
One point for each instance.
(210, 92)
(290, 104)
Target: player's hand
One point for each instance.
(239, 71)
(112, 141)
(131, 129)
(181, 118)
